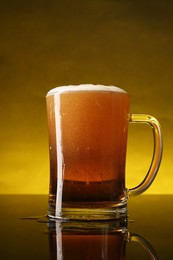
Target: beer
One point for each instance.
(87, 136)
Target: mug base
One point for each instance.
(90, 214)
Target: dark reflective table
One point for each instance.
(27, 234)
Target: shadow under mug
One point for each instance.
(88, 129)
(93, 240)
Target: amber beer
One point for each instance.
(87, 136)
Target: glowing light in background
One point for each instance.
(106, 42)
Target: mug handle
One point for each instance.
(157, 152)
(144, 243)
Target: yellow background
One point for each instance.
(45, 44)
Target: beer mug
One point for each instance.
(88, 128)
(91, 240)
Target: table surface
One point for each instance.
(25, 233)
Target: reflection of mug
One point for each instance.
(88, 127)
(92, 240)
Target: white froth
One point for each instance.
(84, 87)
(60, 165)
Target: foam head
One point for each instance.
(84, 87)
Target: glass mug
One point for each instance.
(91, 240)
(88, 128)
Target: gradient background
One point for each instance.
(45, 44)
